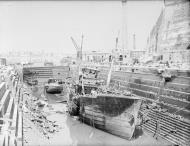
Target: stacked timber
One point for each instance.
(172, 97)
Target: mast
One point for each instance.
(112, 62)
(81, 46)
(134, 42)
(124, 25)
(109, 74)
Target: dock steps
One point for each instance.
(174, 96)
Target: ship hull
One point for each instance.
(32, 83)
(53, 89)
(114, 114)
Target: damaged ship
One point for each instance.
(104, 108)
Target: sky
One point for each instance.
(48, 26)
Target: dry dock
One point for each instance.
(68, 130)
(71, 131)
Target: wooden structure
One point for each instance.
(3, 61)
(11, 122)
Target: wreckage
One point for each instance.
(33, 110)
(54, 86)
(104, 108)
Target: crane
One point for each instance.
(78, 48)
(79, 56)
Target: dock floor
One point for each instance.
(74, 133)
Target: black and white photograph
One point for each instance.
(94, 73)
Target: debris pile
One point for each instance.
(158, 108)
(33, 109)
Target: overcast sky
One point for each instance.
(48, 26)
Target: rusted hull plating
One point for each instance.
(114, 114)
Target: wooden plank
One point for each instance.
(13, 125)
(172, 138)
(117, 130)
(2, 139)
(119, 133)
(100, 119)
(20, 127)
(169, 117)
(152, 130)
(92, 122)
(6, 139)
(8, 116)
(8, 112)
(182, 132)
(169, 121)
(88, 121)
(2, 89)
(167, 127)
(4, 102)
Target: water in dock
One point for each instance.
(71, 131)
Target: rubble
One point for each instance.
(34, 109)
(41, 103)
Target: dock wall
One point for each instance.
(11, 124)
(44, 73)
(173, 99)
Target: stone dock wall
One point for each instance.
(11, 124)
(44, 73)
(173, 99)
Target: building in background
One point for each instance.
(3, 61)
(137, 54)
(65, 61)
(38, 58)
(121, 57)
(96, 56)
